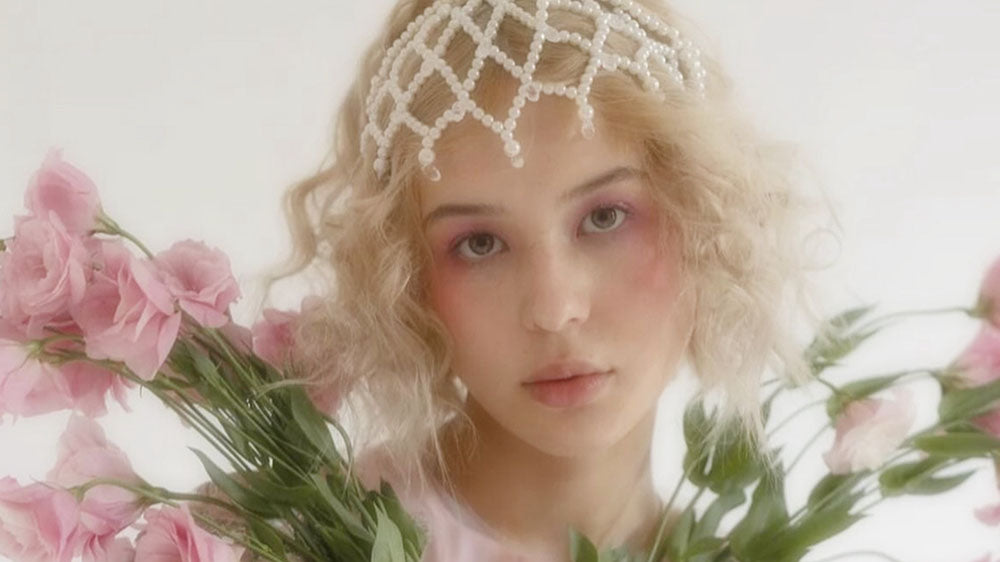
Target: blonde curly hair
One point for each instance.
(729, 192)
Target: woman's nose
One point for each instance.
(555, 291)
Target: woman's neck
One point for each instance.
(530, 499)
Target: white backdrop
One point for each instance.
(193, 116)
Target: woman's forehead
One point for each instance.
(473, 164)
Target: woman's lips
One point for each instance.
(576, 390)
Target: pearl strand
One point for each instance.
(678, 58)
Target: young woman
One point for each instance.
(534, 215)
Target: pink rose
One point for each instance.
(84, 455)
(172, 536)
(60, 189)
(43, 273)
(201, 279)
(37, 523)
(868, 431)
(28, 386)
(127, 314)
(989, 294)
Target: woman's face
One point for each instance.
(553, 271)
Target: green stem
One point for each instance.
(794, 414)
(916, 312)
(111, 227)
(666, 515)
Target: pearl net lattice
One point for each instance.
(657, 43)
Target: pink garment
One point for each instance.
(454, 533)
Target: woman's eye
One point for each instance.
(478, 246)
(604, 219)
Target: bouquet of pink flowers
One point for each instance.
(84, 320)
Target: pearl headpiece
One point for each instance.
(657, 42)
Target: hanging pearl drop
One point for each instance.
(432, 173)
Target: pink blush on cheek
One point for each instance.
(653, 269)
(445, 289)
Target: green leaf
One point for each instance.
(845, 320)
(413, 537)
(388, 545)
(964, 403)
(696, 427)
(938, 485)
(831, 484)
(832, 341)
(581, 549)
(239, 494)
(705, 545)
(263, 484)
(857, 390)
(958, 445)
(794, 543)
(768, 513)
(680, 536)
(268, 536)
(313, 425)
(720, 506)
(696, 458)
(897, 480)
(350, 519)
(736, 461)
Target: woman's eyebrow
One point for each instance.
(452, 209)
(611, 176)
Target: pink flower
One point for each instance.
(43, 273)
(989, 294)
(84, 455)
(201, 279)
(108, 549)
(273, 337)
(868, 431)
(979, 364)
(239, 336)
(37, 523)
(980, 361)
(127, 314)
(88, 386)
(62, 190)
(172, 536)
(989, 514)
(28, 386)
(274, 342)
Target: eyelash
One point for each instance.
(624, 212)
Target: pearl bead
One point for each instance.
(678, 58)
(432, 173)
